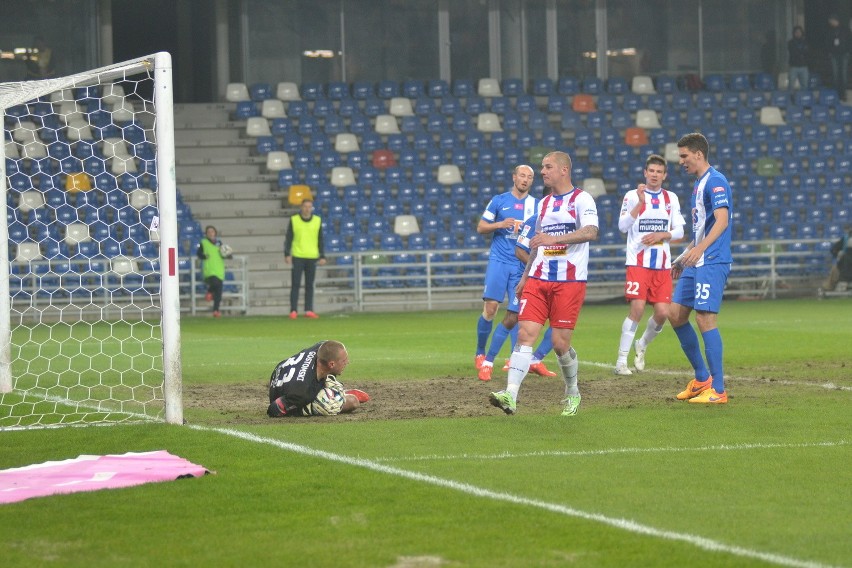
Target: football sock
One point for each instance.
(689, 343)
(569, 364)
(497, 341)
(513, 335)
(713, 352)
(483, 330)
(628, 332)
(519, 366)
(545, 347)
(652, 331)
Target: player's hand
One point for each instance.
(321, 262)
(508, 224)
(640, 192)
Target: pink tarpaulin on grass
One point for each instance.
(89, 473)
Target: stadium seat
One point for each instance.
(437, 88)
(277, 161)
(342, 176)
(387, 124)
(646, 118)
(594, 186)
(236, 92)
(257, 126)
(636, 136)
(583, 103)
(643, 85)
(771, 116)
(671, 153)
(401, 106)
(542, 87)
(449, 174)
(488, 122)
(488, 87)
(405, 225)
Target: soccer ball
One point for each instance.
(328, 402)
(226, 250)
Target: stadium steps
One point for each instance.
(224, 182)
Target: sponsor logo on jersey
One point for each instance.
(652, 225)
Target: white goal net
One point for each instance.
(89, 306)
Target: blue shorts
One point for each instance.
(501, 279)
(702, 288)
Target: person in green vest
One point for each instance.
(303, 247)
(212, 253)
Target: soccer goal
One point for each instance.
(89, 304)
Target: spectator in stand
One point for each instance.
(839, 46)
(303, 247)
(797, 48)
(40, 60)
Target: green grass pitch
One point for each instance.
(635, 479)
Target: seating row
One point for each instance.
(825, 99)
(510, 87)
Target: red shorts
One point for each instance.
(559, 302)
(647, 284)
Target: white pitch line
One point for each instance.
(826, 386)
(611, 451)
(623, 524)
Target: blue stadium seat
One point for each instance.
(739, 82)
(714, 83)
(512, 87)
(592, 86)
(463, 88)
(542, 87)
(413, 88)
(568, 86)
(450, 105)
(437, 88)
(666, 84)
(363, 90)
(681, 101)
(607, 103)
(387, 89)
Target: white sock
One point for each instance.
(651, 332)
(519, 366)
(569, 364)
(628, 332)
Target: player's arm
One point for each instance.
(691, 255)
(484, 227)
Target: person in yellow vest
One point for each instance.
(303, 247)
(212, 253)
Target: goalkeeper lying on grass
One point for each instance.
(306, 384)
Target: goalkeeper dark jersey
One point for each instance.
(295, 379)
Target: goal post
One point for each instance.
(89, 278)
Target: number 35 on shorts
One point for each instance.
(702, 291)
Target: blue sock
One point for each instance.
(545, 346)
(483, 330)
(713, 352)
(689, 344)
(513, 335)
(497, 341)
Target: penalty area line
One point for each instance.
(622, 524)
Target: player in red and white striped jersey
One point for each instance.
(651, 217)
(553, 286)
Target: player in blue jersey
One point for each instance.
(503, 217)
(702, 271)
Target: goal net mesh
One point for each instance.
(84, 309)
